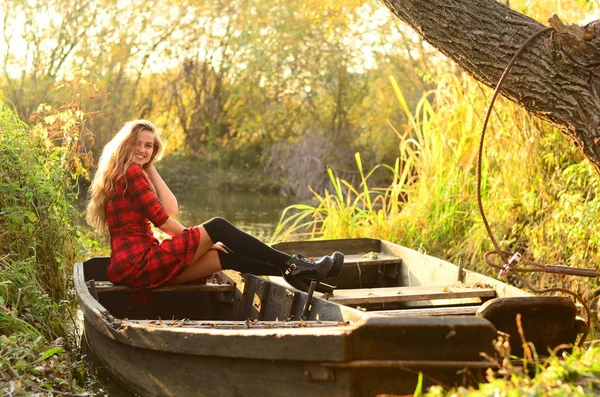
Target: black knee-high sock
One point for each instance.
(243, 244)
(247, 265)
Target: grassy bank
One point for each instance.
(39, 339)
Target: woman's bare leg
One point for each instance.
(205, 244)
(204, 262)
(206, 265)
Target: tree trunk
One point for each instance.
(557, 77)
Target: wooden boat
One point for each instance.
(396, 313)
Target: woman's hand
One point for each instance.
(220, 247)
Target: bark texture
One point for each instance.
(557, 77)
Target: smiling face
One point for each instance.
(144, 147)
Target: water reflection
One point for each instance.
(255, 213)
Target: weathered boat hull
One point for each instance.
(150, 372)
(259, 337)
(157, 372)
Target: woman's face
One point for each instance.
(144, 147)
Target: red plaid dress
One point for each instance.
(138, 260)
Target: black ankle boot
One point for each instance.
(301, 271)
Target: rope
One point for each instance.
(511, 259)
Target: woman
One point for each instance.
(127, 193)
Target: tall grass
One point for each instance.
(538, 193)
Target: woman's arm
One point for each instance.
(166, 197)
(172, 227)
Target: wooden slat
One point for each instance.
(409, 294)
(281, 304)
(326, 247)
(259, 292)
(254, 299)
(432, 311)
(107, 286)
(413, 364)
(235, 324)
(367, 259)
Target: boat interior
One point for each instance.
(373, 279)
(378, 279)
(228, 300)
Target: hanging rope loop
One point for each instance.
(511, 260)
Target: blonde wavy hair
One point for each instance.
(116, 156)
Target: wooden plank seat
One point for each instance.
(107, 286)
(468, 310)
(364, 270)
(410, 294)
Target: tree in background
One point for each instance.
(224, 80)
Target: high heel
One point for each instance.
(301, 271)
(338, 263)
